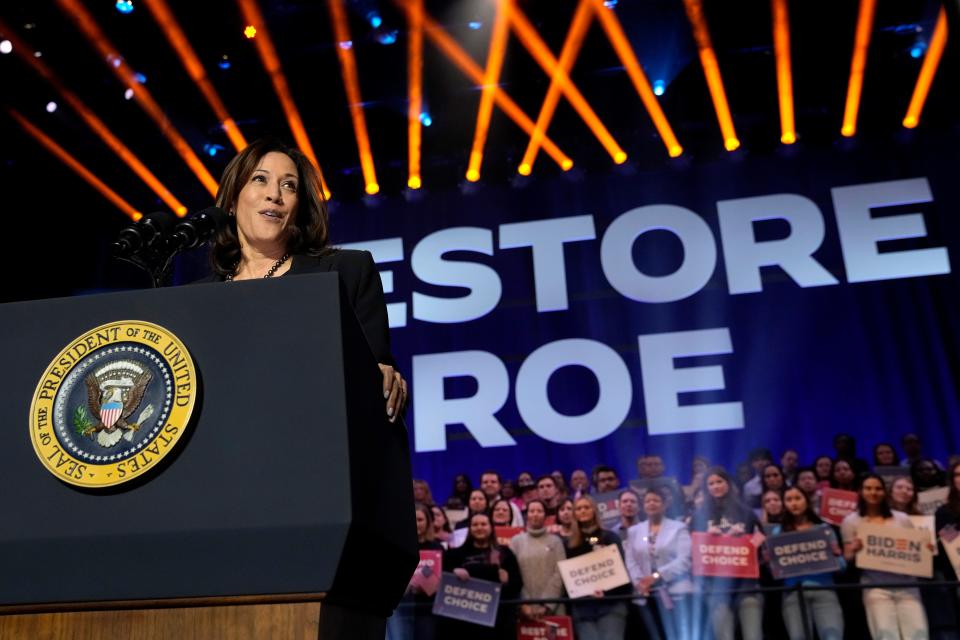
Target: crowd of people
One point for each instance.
(560, 517)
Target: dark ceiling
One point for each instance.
(58, 225)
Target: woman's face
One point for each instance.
(795, 501)
(565, 513)
(419, 492)
(422, 523)
(652, 504)
(873, 491)
(507, 491)
(525, 479)
(480, 528)
(772, 503)
(583, 511)
(535, 515)
(807, 481)
(717, 486)
(843, 473)
(267, 205)
(699, 466)
(438, 519)
(885, 455)
(902, 491)
(478, 501)
(502, 513)
(460, 483)
(927, 473)
(773, 478)
(823, 466)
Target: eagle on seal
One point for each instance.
(111, 410)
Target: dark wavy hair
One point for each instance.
(789, 521)
(953, 496)
(885, 510)
(310, 232)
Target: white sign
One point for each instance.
(932, 499)
(895, 549)
(602, 569)
(951, 542)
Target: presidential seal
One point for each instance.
(113, 404)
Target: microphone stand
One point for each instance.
(146, 246)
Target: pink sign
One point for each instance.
(724, 556)
(546, 628)
(505, 534)
(427, 576)
(837, 503)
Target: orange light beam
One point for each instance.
(858, 65)
(781, 47)
(491, 76)
(85, 22)
(449, 47)
(927, 71)
(351, 82)
(23, 50)
(711, 69)
(75, 165)
(415, 92)
(181, 45)
(271, 63)
(568, 55)
(621, 45)
(532, 41)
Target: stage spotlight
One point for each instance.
(6, 46)
(224, 62)
(212, 149)
(115, 60)
(916, 51)
(610, 4)
(387, 37)
(346, 45)
(659, 86)
(425, 119)
(128, 94)
(51, 106)
(124, 6)
(475, 25)
(374, 19)
(139, 77)
(250, 31)
(37, 54)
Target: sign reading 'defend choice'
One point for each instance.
(835, 504)
(608, 508)
(427, 576)
(601, 570)
(724, 556)
(469, 600)
(895, 549)
(932, 499)
(546, 628)
(803, 553)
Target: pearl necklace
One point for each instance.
(273, 269)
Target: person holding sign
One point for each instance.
(903, 497)
(538, 552)
(658, 559)
(823, 605)
(410, 621)
(891, 613)
(597, 619)
(946, 565)
(723, 513)
(481, 557)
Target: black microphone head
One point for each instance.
(196, 229)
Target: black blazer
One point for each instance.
(361, 281)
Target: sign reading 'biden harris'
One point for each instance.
(113, 404)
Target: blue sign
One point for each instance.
(803, 553)
(469, 600)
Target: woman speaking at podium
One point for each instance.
(279, 225)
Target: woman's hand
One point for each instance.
(504, 576)
(462, 574)
(394, 391)
(644, 584)
(598, 593)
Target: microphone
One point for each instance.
(197, 229)
(143, 234)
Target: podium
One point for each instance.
(284, 510)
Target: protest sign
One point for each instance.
(427, 575)
(926, 523)
(932, 499)
(505, 534)
(895, 549)
(950, 538)
(802, 553)
(546, 628)
(724, 556)
(469, 600)
(837, 503)
(455, 516)
(608, 509)
(458, 537)
(601, 569)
